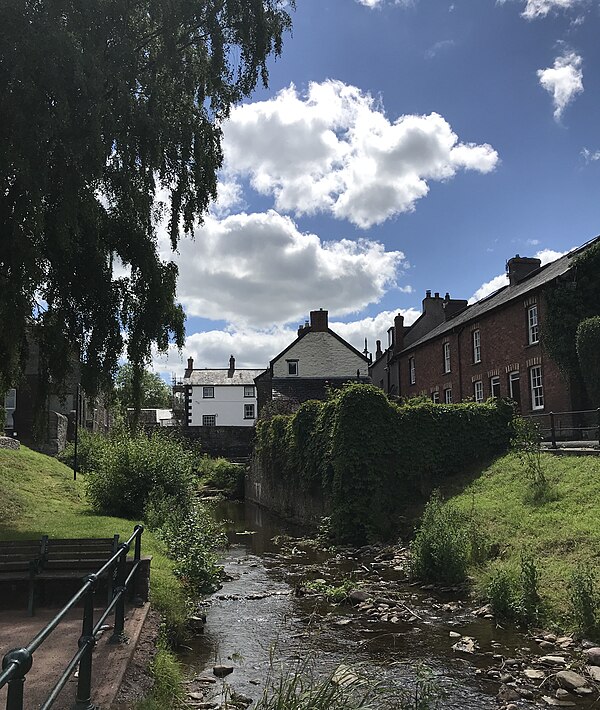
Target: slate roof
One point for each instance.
(504, 295)
(219, 378)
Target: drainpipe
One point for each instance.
(460, 383)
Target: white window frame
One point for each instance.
(248, 390)
(249, 411)
(435, 397)
(536, 387)
(292, 365)
(514, 376)
(478, 391)
(448, 395)
(494, 382)
(209, 420)
(533, 325)
(412, 373)
(208, 392)
(476, 346)
(447, 362)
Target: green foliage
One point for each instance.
(334, 593)
(585, 600)
(527, 444)
(514, 596)
(222, 474)
(569, 303)
(110, 103)
(154, 392)
(192, 537)
(367, 456)
(347, 688)
(588, 354)
(168, 688)
(90, 448)
(440, 550)
(131, 469)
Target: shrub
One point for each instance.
(501, 592)
(90, 448)
(585, 601)
(515, 597)
(222, 474)
(440, 550)
(527, 443)
(131, 468)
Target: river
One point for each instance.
(256, 622)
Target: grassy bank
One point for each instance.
(561, 532)
(40, 497)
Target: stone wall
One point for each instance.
(286, 498)
(57, 434)
(6, 442)
(227, 441)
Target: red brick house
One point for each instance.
(457, 352)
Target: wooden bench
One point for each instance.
(54, 559)
(21, 560)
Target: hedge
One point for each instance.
(369, 456)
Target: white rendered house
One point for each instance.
(220, 398)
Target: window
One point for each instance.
(448, 396)
(208, 393)
(435, 397)
(494, 386)
(478, 386)
(411, 371)
(390, 337)
(248, 411)
(292, 367)
(533, 325)
(514, 387)
(537, 389)
(446, 357)
(476, 346)
(248, 390)
(10, 404)
(209, 420)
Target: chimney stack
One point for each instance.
(398, 333)
(231, 367)
(378, 351)
(189, 368)
(319, 321)
(519, 267)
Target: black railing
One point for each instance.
(17, 662)
(580, 425)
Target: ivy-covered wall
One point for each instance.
(366, 457)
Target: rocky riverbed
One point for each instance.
(275, 610)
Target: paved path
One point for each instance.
(109, 661)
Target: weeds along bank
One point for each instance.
(366, 458)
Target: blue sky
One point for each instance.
(400, 146)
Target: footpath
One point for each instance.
(110, 660)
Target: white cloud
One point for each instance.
(541, 8)
(255, 348)
(334, 150)
(380, 3)
(259, 270)
(590, 156)
(229, 198)
(438, 47)
(563, 81)
(544, 255)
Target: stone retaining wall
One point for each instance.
(7, 443)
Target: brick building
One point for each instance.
(456, 352)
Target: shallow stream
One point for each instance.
(256, 621)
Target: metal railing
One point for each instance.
(579, 425)
(17, 662)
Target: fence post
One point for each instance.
(117, 636)
(552, 431)
(23, 660)
(84, 682)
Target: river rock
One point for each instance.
(506, 694)
(593, 672)
(593, 655)
(357, 596)
(344, 676)
(555, 702)
(569, 680)
(553, 661)
(546, 645)
(221, 670)
(196, 623)
(562, 694)
(455, 635)
(466, 645)
(534, 674)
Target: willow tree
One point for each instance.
(105, 104)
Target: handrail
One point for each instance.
(551, 428)
(18, 661)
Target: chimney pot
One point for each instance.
(436, 294)
(428, 294)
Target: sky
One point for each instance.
(402, 145)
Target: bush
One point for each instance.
(222, 474)
(440, 550)
(527, 443)
(131, 468)
(585, 601)
(515, 596)
(501, 592)
(90, 448)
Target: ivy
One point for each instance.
(369, 457)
